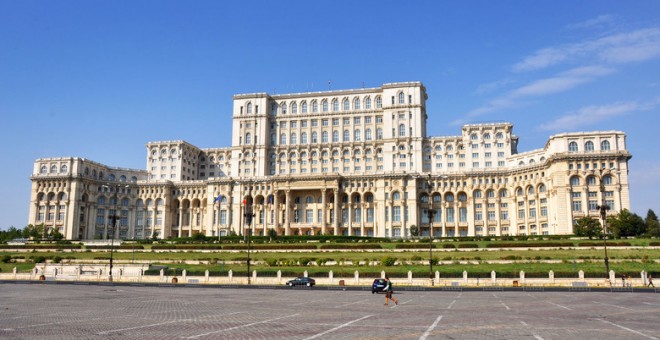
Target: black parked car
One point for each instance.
(301, 281)
(378, 286)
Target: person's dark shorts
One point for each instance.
(388, 294)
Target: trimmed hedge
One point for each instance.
(529, 244)
(269, 246)
(449, 246)
(654, 244)
(41, 246)
(351, 246)
(123, 246)
(413, 246)
(468, 245)
(611, 244)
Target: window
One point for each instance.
(335, 105)
(575, 180)
(379, 102)
(335, 136)
(367, 103)
(402, 130)
(303, 107)
(367, 134)
(357, 136)
(356, 103)
(324, 105)
(347, 136)
(589, 146)
(315, 106)
(605, 145)
(572, 147)
(346, 105)
(402, 98)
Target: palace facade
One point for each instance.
(348, 162)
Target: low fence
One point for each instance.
(140, 273)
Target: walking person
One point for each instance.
(388, 292)
(650, 278)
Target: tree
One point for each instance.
(35, 232)
(588, 227)
(652, 224)
(414, 231)
(55, 234)
(626, 224)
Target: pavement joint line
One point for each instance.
(451, 304)
(158, 324)
(558, 305)
(524, 323)
(430, 329)
(338, 327)
(650, 303)
(504, 304)
(628, 329)
(344, 305)
(405, 302)
(236, 327)
(607, 304)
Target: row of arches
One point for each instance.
(589, 146)
(324, 105)
(346, 136)
(576, 180)
(324, 153)
(54, 169)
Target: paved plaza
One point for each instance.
(67, 311)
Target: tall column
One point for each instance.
(362, 215)
(350, 211)
(323, 213)
(336, 208)
(276, 210)
(287, 212)
(180, 219)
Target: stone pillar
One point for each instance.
(551, 276)
(184, 274)
(612, 277)
(287, 213)
(206, 275)
(279, 276)
(410, 277)
(644, 276)
(254, 276)
(493, 277)
(162, 274)
(331, 276)
(437, 276)
(230, 274)
(305, 274)
(180, 222)
(382, 274)
(465, 277)
(324, 212)
(522, 277)
(336, 211)
(581, 275)
(276, 210)
(357, 277)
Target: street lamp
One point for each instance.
(603, 208)
(248, 215)
(430, 212)
(115, 219)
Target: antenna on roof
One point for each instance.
(329, 82)
(363, 84)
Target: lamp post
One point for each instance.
(430, 212)
(603, 208)
(115, 220)
(248, 215)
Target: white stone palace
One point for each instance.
(347, 162)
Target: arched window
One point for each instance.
(273, 109)
(437, 198)
(575, 180)
(357, 135)
(379, 133)
(379, 102)
(499, 135)
(503, 193)
(519, 192)
(101, 201)
(53, 169)
(607, 180)
(356, 104)
(249, 107)
(335, 136)
(133, 179)
(490, 193)
(248, 138)
(315, 106)
(367, 134)
(303, 138)
(572, 147)
(283, 139)
(283, 107)
(474, 136)
(43, 170)
(346, 105)
(309, 200)
(486, 135)
(324, 137)
(294, 107)
(589, 146)
(293, 139)
(396, 196)
(347, 136)
(367, 103)
(335, 105)
(124, 202)
(605, 145)
(64, 168)
(591, 180)
(324, 105)
(402, 98)
(462, 197)
(303, 107)
(542, 188)
(273, 139)
(315, 137)
(424, 198)
(477, 194)
(530, 190)
(111, 177)
(449, 197)
(402, 130)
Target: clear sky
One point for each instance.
(100, 79)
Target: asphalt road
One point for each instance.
(53, 311)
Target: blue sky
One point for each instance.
(101, 79)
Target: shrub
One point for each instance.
(271, 262)
(388, 261)
(416, 258)
(468, 245)
(5, 259)
(449, 246)
(38, 259)
(56, 259)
